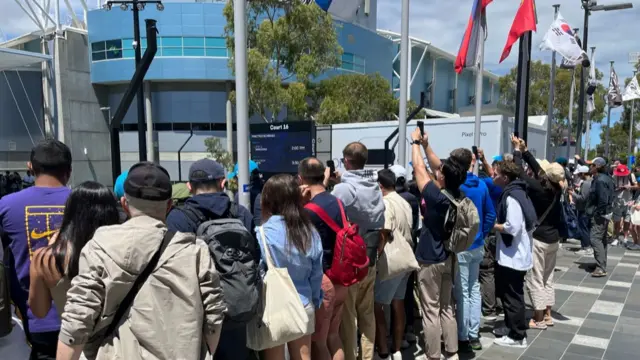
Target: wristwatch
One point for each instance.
(416, 142)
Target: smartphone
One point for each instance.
(332, 168)
(475, 151)
(515, 133)
(421, 127)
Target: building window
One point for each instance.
(353, 63)
(167, 46)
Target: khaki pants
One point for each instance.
(436, 302)
(539, 279)
(358, 314)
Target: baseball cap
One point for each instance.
(205, 170)
(252, 166)
(148, 181)
(598, 162)
(581, 169)
(118, 188)
(399, 171)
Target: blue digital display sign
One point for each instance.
(279, 147)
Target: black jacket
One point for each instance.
(212, 206)
(600, 201)
(542, 197)
(516, 190)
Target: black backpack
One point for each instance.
(236, 254)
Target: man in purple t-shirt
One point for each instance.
(28, 219)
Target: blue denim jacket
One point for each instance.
(305, 269)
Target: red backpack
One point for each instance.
(350, 262)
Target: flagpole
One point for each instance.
(633, 104)
(573, 85)
(479, 83)
(606, 136)
(552, 87)
(404, 84)
(587, 136)
(522, 84)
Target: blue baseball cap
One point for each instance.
(118, 188)
(206, 170)
(252, 166)
(497, 158)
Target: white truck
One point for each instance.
(444, 136)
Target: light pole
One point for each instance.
(136, 6)
(633, 104)
(589, 6)
(552, 86)
(587, 141)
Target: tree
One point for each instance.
(540, 79)
(289, 43)
(222, 156)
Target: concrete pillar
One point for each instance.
(151, 145)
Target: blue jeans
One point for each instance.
(583, 230)
(468, 299)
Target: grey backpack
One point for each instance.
(236, 254)
(462, 222)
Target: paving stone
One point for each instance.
(573, 276)
(553, 334)
(549, 349)
(607, 307)
(596, 328)
(585, 351)
(592, 341)
(573, 310)
(602, 317)
(632, 307)
(568, 356)
(625, 343)
(614, 294)
(627, 326)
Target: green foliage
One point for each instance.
(288, 42)
(222, 156)
(540, 81)
(351, 98)
(619, 134)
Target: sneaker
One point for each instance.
(476, 345)
(614, 242)
(410, 337)
(585, 252)
(501, 331)
(490, 317)
(464, 346)
(537, 325)
(598, 273)
(509, 342)
(396, 356)
(633, 247)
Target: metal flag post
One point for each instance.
(606, 136)
(404, 84)
(633, 105)
(587, 139)
(573, 85)
(478, 99)
(242, 100)
(552, 88)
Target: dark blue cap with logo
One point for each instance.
(206, 170)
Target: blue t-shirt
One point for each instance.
(329, 204)
(28, 219)
(430, 247)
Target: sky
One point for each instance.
(613, 33)
(442, 22)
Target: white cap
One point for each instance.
(399, 171)
(582, 169)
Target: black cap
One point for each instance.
(148, 181)
(206, 170)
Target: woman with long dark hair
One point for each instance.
(90, 206)
(294, 244)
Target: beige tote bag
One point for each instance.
(282, 317)
(397, 258)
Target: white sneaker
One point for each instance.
(509, 342)
(491, 317)
(585, 252)
(378, 357)
(614, 242)
(396, 356)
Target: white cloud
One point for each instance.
(443, 24)
(15, 22)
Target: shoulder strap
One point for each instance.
(233, 210)
(450, 197)
(193, 214)
(131, 295)
(546, 212)
(267, 252)
(325, 217)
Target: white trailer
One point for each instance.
(444, 136)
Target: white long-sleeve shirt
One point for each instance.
(518, 255)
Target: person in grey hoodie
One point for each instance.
(363, 203)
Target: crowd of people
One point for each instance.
(131, 274)
(11, 182)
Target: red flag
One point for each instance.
(467, 55)
(524, 21)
